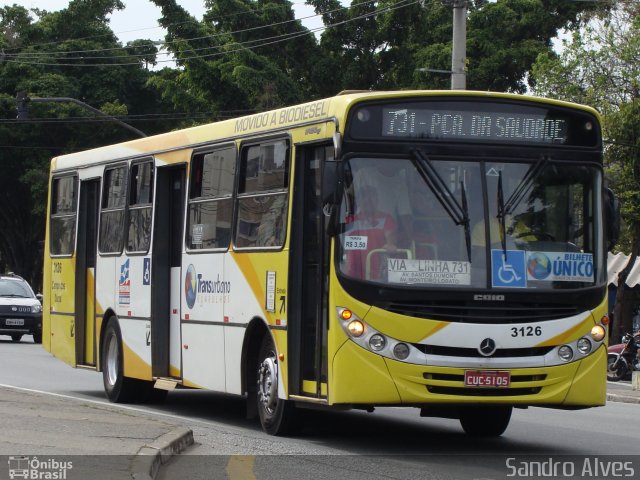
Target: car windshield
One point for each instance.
(15, 288)
(423, 222)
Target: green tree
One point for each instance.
(244, 55)
(383, 44)
(145, 50)
(599, 66)
(68, 53)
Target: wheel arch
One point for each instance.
(108, 314)
(256, 330)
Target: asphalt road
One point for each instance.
(389, 443)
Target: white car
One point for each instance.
(20, 309)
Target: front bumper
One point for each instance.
(20, 323)
(573, 385)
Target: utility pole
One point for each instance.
(22, 102)
(459, 51)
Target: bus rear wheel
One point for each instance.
(485, 421)
(276, 414)
(119, 389)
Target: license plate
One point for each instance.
(486, 379)
(16, 322)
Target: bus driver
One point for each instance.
(368, 229)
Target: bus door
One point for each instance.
(166, 272)
(85, 292)
(308, 283)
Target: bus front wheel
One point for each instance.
(276, 414)
(485, 421)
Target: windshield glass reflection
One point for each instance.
(469, 224)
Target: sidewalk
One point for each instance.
(117, 443)
(94, 437)
(622, 392)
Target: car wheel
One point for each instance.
(15, 337)
(37, 337)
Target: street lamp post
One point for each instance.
(459, 47)
(459, 51)
(22, 101)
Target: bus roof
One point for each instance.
(331, 109)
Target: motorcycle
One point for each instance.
(622, 358)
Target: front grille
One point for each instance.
(473, 352)
(449, 377)
(471, 312)
(483, 392)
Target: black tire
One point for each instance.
(485, 421)
(37, 337)
(617, 374)
(277, 416)
(16, 337)
(119, 389)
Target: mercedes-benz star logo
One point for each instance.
(487, 347)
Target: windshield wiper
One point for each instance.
(501, 215)
(523, 187)
(458, 213)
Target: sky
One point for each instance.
(139, 18)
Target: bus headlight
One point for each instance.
(401, 351)
(565, 353)
(356, 328)
(377, 342)
(369, 338)
(597, 333)
(584, 346)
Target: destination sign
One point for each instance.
(436, 124)
(472, 121)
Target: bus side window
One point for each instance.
(211, 199)
(112, 212)
(140, 207)
(64, 197)
(262, 196)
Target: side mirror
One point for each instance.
(40, 297)
(331, 193)
(611, 218)
(329, 182)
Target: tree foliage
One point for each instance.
(600, 66)
(45, 55)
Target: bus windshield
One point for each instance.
(427, 222)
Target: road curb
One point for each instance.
(150, 458)
(614, 397)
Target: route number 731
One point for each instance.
(526, 331)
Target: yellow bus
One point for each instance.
(432, 249)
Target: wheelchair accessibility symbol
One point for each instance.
(508, 271)
(146, 272)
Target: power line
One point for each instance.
(273, 40)
(171, 42)
(193, 20)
